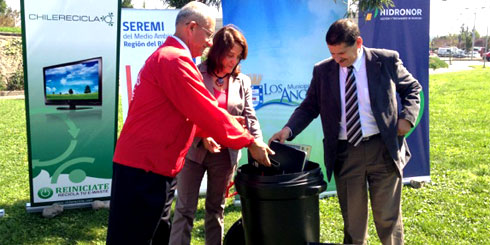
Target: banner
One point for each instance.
(70, 70)
(405, 28)
(142, 32)
(285, 39)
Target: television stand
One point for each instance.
(73, 107)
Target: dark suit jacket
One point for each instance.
(239, 104)
(386, 77)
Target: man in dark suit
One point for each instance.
(354, 92)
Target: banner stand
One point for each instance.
(71, 100)
(401, 20)
(39, 209)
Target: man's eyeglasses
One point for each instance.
(209, 34)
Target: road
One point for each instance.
(459, 65)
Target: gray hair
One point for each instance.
(194, 11)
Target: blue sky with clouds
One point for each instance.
(273, 35)
(76, 77)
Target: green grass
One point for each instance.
(453, 209)
(91, 96)
(11, 29)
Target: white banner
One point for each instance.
(142, 32)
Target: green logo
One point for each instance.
(45, 193)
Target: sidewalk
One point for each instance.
(18, 94)
(459, 66)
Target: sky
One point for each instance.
(446, 16)
(75, 76)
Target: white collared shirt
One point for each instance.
(368, 122)
(184, 45)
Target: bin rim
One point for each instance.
(286, 186)
(312, 174)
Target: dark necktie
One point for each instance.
(353, 122)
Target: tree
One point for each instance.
(125, 4)
(368, 5)
(460, 37)
(481, 41)
(467, 37)
(464, 38)
(362, 5)
(357, 6)
(3, 6)
(9, 17)
(87, 90)
(70, 91)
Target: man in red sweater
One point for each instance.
(169, 103)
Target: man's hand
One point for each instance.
(211, 145)
(281, 136)
(242, 121)
(404, 127)
(259, 151)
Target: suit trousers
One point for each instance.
(219, 173)
(362, 169)
(139, 199)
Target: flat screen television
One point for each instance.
(74, 83)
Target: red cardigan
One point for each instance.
(169, 101)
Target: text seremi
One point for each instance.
(143, 26)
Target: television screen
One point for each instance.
(74, 83)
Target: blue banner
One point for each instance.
(405, 28)
(285, 39)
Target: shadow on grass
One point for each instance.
(70, 227)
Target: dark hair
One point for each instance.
(343, 31)
(223, 42)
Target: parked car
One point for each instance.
(459, 54)
(473, 54)
(487, 56)
(446, 51)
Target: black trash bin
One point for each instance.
(280, 208)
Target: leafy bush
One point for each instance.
(16, 81)
(435, 62)
(9, 17)
(11, 59)
(2, 83)
(13, 47)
